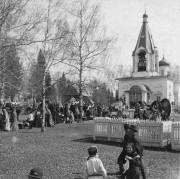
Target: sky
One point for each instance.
(123, 18)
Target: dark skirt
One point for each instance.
(133, 173)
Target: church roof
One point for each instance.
(145, 38)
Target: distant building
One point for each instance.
(150, 79)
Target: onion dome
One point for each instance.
(163, 62)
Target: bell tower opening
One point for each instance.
(142, 61)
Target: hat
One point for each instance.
(36, 173)
(92, 150)
(132, 127)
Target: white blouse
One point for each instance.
(94, 166)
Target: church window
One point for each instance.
(142, 61)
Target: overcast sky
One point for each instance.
(124, 19)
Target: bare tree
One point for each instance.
(89, 42)
(17, 28)
(54, 44)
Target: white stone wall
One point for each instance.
(162, 85)
(177, 93)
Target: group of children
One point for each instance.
(131, 154)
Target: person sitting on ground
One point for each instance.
(36, 173)
(133, 172)
(94, 168)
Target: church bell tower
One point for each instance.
(145, 54)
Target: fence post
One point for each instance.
(172, 136)
(109, 130)
(161, 134)
(94, 131)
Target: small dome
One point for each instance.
(163, 63)
(145, 15)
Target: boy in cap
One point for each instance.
(130, 137)
(35, 173)
(94, 168)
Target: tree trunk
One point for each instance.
(43, 105)
(3, 83)
(80, 94)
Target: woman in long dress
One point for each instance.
(13, 119)
(6, 120)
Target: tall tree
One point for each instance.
(17, 27)
(36, 77)
(89, 42)
(49, 86)
(54, 43)
(13, 72)
(101, 95)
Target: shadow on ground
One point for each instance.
(119, 144)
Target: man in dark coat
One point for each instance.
(18, 111)
(138, 113)
(130, 137)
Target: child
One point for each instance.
(35, 173)
(94, 168)
(134, 163)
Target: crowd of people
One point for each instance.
(54, 114)
(70, 113)
(9, 118)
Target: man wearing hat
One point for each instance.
(130, 137)
(35, 173)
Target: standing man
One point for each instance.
(18, 111)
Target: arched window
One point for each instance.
(135, 95)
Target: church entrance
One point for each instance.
(135, 95)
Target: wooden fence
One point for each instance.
(150, 133)
(175, 136)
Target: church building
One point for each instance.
(150, 79)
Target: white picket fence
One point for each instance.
(157, 134)
(175, 136)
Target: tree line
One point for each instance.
(60, 33)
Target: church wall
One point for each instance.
(177, 93)
(163, 86)
(170, 90)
